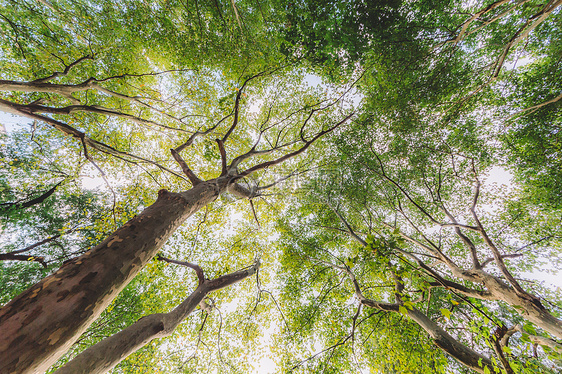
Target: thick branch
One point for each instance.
(103, 356)
(242, 192)
(450, 345)
(14, 257)
(222, 151)
(61, 89)
(187, 171)
(440, 337)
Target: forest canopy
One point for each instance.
(307, 187)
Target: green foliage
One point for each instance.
(437, 107)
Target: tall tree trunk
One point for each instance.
(103, 356)
(41, 324)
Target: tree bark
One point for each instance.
(441, 338)
(41, 324)
(528, 306)
(450, 345)
(103, 356)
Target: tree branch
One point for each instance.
(477, 15)
(14, 257)
(512, 255)
(347, 226)
(237, 103)
(65, 72)
(535, 107)
(279, 160)
(197, 268)
(39, 243)
(442, 282)
(34, 108)
(4, 207)
(495, 252)
(103, 356)
(17, 109)
(466, 240)
(524, 32)
(441, 338)
(187, 171)
(201, 133)
(496, 344)
(222, 151)
(455, 269)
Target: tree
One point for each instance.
(419, 229)
(103, 356)
(113, 87)
(76, 294)
(101, 273)
(424, 100)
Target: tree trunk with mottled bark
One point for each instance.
(41, 324)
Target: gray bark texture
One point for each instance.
(450, 345)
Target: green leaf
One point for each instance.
(409, 305)
(446, 313)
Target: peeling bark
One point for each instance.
(41, 324)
